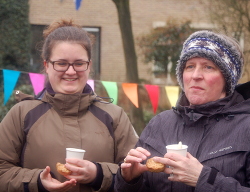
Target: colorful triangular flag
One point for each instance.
(130, 89)
(153, 92)
(10, 78)
(172, 93)
(78, 4)
(37, 81)
(111, 88)
(91, 84)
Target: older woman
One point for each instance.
(212, 117)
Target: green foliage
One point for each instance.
(147, 116)
(14, 34)
(232, 17)
(163, 45)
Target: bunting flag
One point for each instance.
(78, 4)
(173, 94)
(153, 92)
(10, 78)
(130, 90)
(91, 84)
(37, 81)
(112, 90)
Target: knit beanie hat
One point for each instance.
(220, 49)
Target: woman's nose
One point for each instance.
(70, 70)
(197, 73)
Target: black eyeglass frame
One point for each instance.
(69, 64)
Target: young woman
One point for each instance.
(35, 133)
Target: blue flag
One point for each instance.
(78, 4)
(10, 78)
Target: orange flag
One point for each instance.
(130, 90)
(153, 92)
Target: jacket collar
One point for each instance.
(69, 104)
(232, 104)
(244, 89)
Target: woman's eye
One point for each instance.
(189, 66)
(209, 67)
(62, 64)
(79, 64)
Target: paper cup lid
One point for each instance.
(175, 147)
(75, 150)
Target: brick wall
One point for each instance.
(103, 13)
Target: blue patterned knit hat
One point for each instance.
(222, 50)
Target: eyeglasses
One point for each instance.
(63, 66)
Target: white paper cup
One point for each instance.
(74, 153)
(174, 149)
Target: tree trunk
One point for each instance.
(124, 17)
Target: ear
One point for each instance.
(46, 65)
(90, 65)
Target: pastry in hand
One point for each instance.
(154, 166)
(62, 169)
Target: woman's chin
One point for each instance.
(197, 101)
(70, 91)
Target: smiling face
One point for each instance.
(203, 81)
(70, 81)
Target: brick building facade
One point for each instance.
(102, 15)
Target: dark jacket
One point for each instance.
(36, 133)
(217, 134)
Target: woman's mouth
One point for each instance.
(69, 79)
(196, 88)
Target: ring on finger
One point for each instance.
(124, 160)
(172, 173)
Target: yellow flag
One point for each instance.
(173, 94)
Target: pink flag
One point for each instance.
(37, 81)
(91, 84)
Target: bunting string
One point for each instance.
(10, 79)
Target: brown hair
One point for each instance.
(64, 30)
